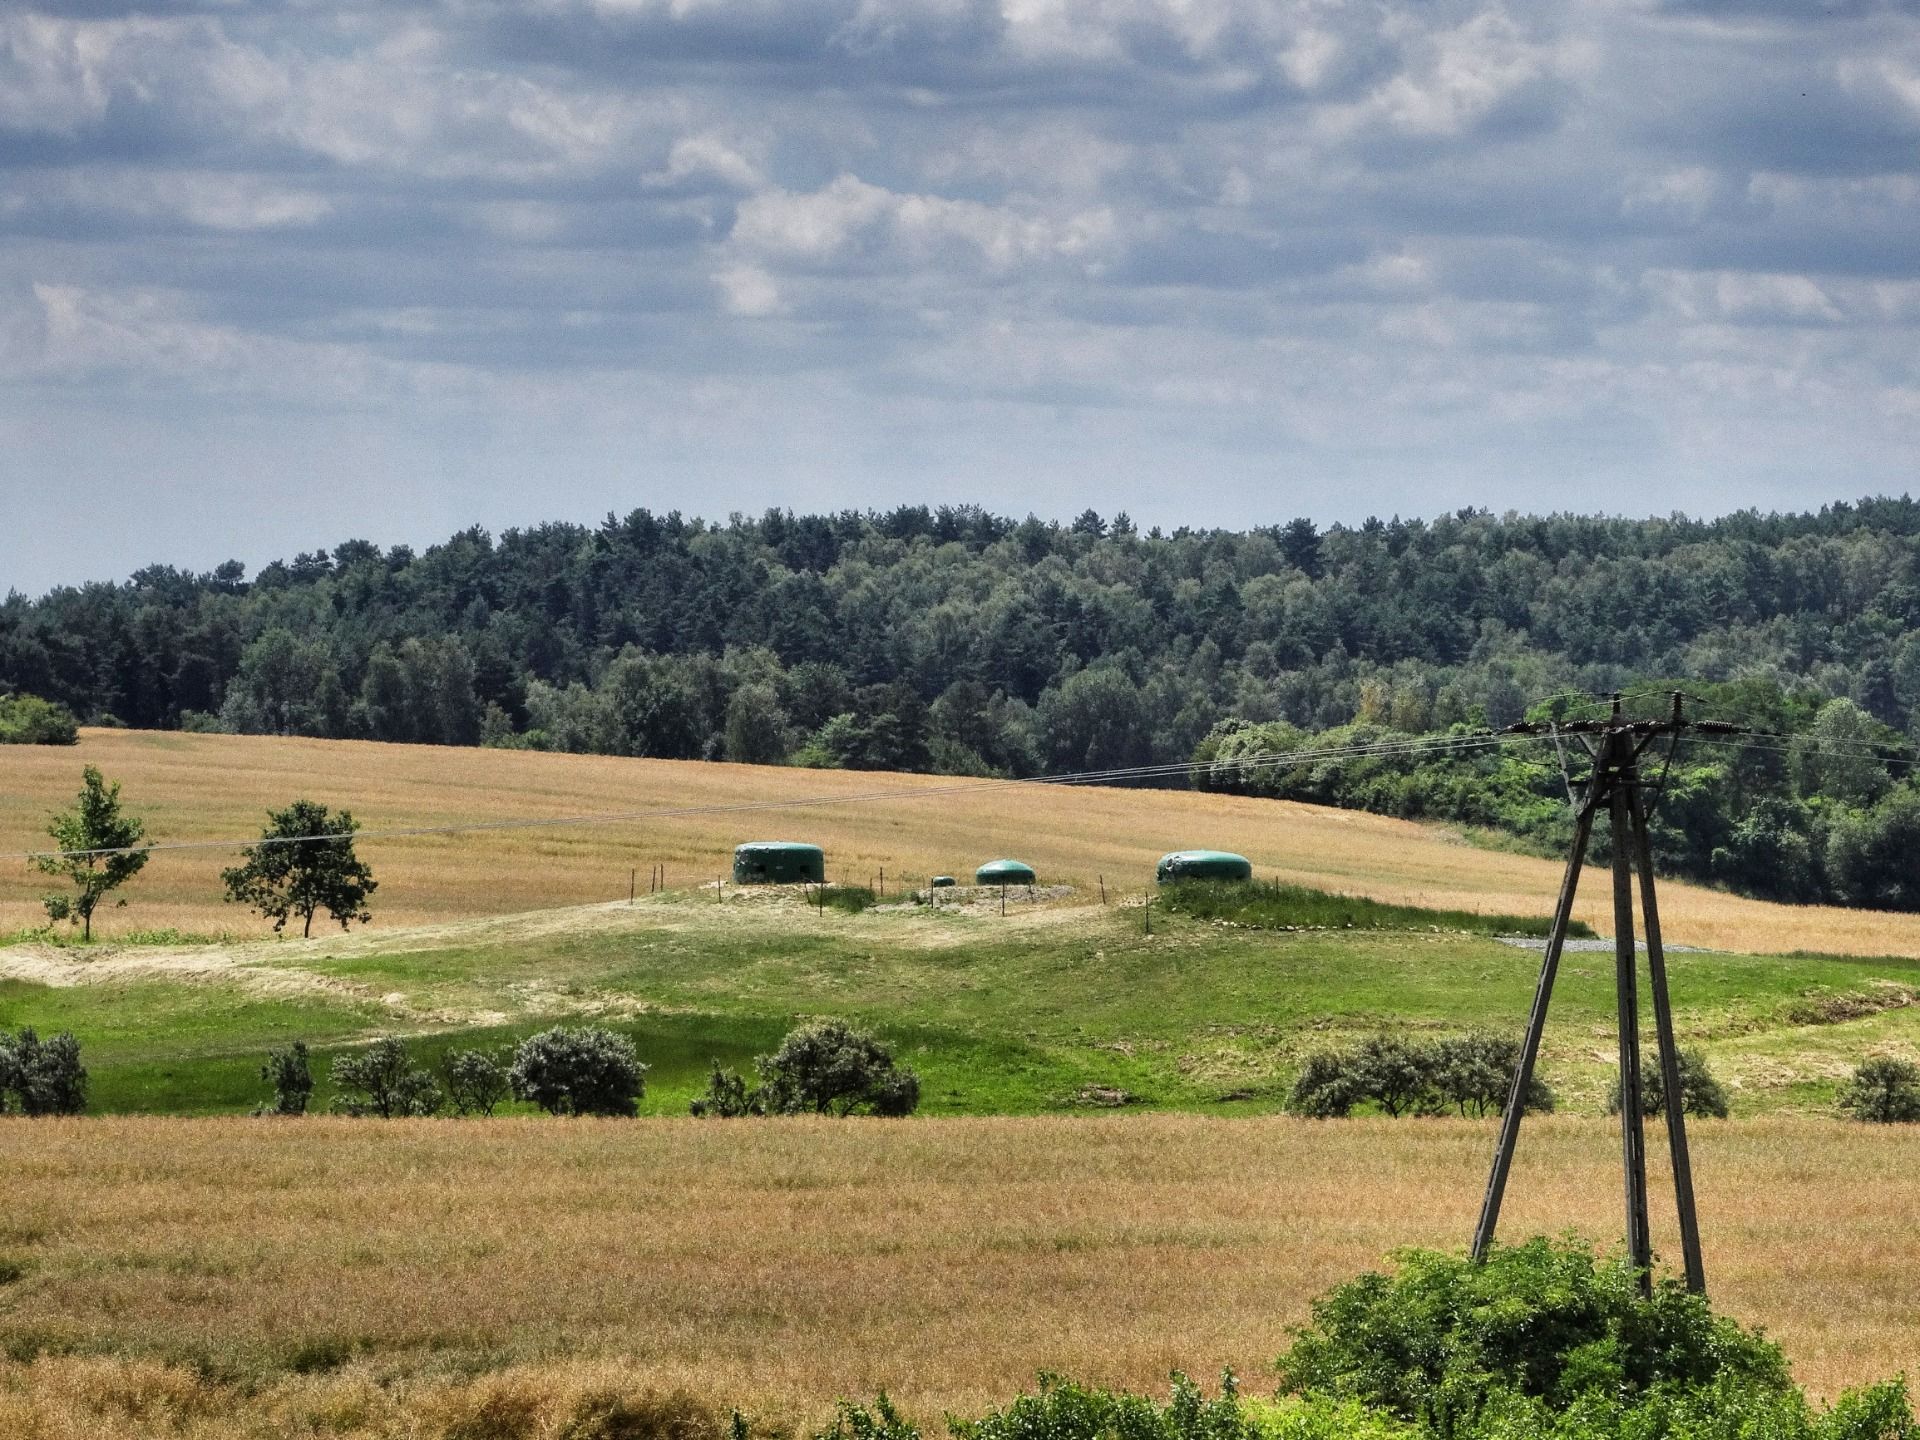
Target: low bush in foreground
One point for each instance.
(1545, 1340)
(382, 1080)
(291, 1075)
(1271, 905)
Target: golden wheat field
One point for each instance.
(202, 787)
(779, 1265)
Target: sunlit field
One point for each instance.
(198, 787)
(778, 1265)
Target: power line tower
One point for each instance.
(1616, 745)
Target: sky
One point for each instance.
(275, 275)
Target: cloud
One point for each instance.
(1407, 246)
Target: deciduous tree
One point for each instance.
(304, 863)
(99, 850)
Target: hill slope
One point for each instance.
(203, 787)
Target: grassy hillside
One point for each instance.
(780, 1265)
(196, 787)
(1023, 1013)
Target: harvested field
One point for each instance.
(779, 1265)
(218, 786)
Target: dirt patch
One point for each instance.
(1837, 1008)
(216, 965)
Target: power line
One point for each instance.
(1444, 745)
(1789, 748)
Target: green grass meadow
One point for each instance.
(1049, 1009)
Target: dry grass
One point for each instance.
(212, 786)
(86, 1398)
(779, 1265)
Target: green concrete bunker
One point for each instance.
(1203, 865)
(779, 862)
(1004, 872)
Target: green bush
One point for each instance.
(727, 1096)
(383, 1080)
(475, 1080)
(1327, 1087)
(292, 1080)
(1542, 1342)
(1700, 1092)
(29, 720)
(589, 1071)
(1883, 1091)
(830, 1068)
(1066, 1411)
(1471, 1073)
(1455, 1346)
(42, 1077)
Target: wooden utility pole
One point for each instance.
(1616, 745)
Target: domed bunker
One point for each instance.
(778, 862)
(1203, 865)
(1004, 872)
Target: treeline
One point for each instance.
(1818, 803)
(955, 640)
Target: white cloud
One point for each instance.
(1395, 242)
(748, 290)
(707, 157)
(1454, 79)
(849, 214)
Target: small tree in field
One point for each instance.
(304, 863)
(1883, 1091)
(727, 1096)
(832, 1068)
(94, 825)
(383, 1080)
(589, 1071)
(1700, 1092)
(44, 1077)
(475, 1081)
(291, 1077)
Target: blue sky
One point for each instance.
(276, 275)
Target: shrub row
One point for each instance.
(1471, 1074)
(825, 1068)
(584, 1071)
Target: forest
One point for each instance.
(955, 640)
